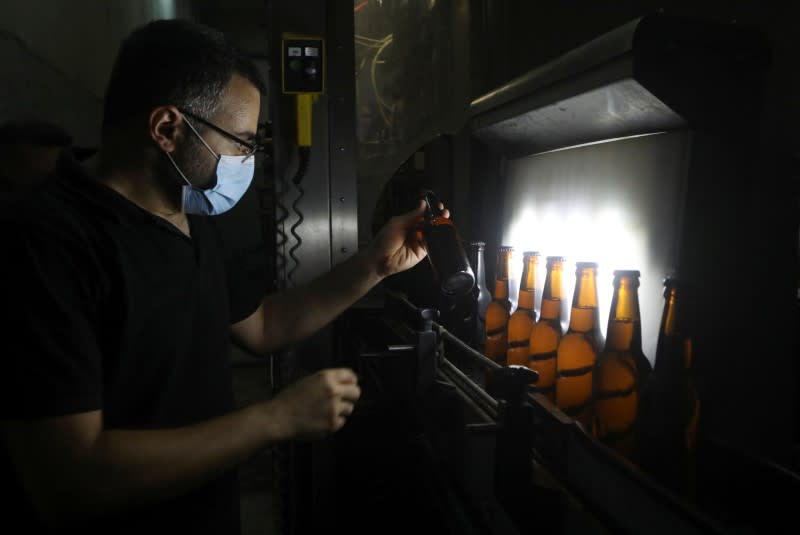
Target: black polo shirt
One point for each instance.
(106, 306)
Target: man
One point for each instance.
(117, 411)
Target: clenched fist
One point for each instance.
(318, 404)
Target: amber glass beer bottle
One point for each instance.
(578, 349)
(499, 310)
(621, 368)
(521, 321)
(670, 406)
(445, 252)
(547, 332)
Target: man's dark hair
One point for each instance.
(33, 132)
(173, 62)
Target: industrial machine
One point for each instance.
(641, 148)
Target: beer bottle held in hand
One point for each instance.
(521, 321)
(445, 251)
(667, 438)
(482, 296)
(578, 349)
(457, 314)
(499, 310)
(546, 332)
(621, 368)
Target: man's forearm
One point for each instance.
(158, 464)
(88, 474)
(294, 314)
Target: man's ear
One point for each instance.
(165, 127)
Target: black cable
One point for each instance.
(304, 155)
(273, 212)
(269, 196)
(281, 214)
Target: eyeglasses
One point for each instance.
(252, 147)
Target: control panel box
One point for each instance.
(303, 64)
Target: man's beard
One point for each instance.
(195, 162)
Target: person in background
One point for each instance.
(116, 405)
(29, 150)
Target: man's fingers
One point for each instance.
(412, 217)
(345, 375)
(338, 423)
(350, 393)
(346, 409)
(343, 383)
(342, 411)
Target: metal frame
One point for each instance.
(328, 230)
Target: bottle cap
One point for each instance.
(677, 282)
(618, 273)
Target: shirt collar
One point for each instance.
(74, 177)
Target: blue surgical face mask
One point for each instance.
(234, 174)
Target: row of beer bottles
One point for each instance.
(605, 385)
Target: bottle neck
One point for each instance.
(501, 275)
(669, 317)
(528, 281)
(584, 316)
(525, 300)
(552, 293)
(583, 320)
(551, 309)
(624, 336)
(480, 268)
(624, 326)
(585, 295)
(501, 289)
(503, 265)
(527, 285)
(674, 347)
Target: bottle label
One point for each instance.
(496, 332)
(575, 363)
(616, 400)
(575, 372)
(545, 364)
(544, 356)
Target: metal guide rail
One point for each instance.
(500, 441)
